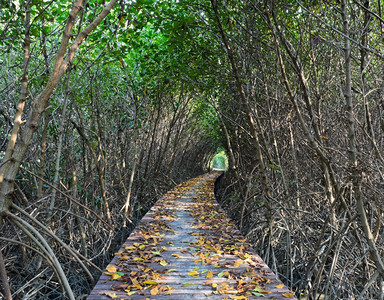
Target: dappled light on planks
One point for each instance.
(186, 247)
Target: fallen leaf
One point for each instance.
(209, 274)
(163, 262)
(136, 284)
(237, 263)
(138, 259)
(189, 283)
(150, 282)
(288, 295)
(280, 286)
(131, 293)
(155, 290)
(117, 275)
(111, 268)
(238, 297)
(171, 270)
(124, 257)
(112, 295)
(258, 294)
(176, 255)
(194, 273)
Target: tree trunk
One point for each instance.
(352, 149)
(16, 150)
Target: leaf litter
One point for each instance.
(185, 239)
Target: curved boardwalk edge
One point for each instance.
(186, 247)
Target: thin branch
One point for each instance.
(22, 244)
(340, 32)
(27, 229)
(69, 197)
(73, 252)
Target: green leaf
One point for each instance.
(258, 294)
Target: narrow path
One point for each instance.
(186, 247)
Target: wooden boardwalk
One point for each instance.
(186, 247)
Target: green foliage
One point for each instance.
(220, 161)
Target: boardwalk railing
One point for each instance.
(186, 247)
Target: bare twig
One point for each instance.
(69, 197)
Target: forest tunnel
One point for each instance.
(220, 161)
(105, 105)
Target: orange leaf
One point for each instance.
(280, 286)
(136, 284)
(155, 290)
(288, 295)
(111, 268)
(124, 257)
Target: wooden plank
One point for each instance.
(186, 247)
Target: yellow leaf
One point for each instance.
(193, 273)
(176, 255)
(280, 286)
(112, 295)
(163, 262)
(155, 290)
(116, 276)
(238, 297)
(111, 268)
(130, 248)
(170, 270)
(237, 263)
(138, 259)
(150, 282)
(209, 274)
(288, 295)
